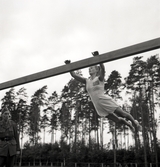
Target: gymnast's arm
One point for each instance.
(102, 72)
(74, 75)
(102, 68)
(77, 77)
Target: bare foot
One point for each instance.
(138, 126)
(132, 128)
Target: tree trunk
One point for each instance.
(124, 136)
(97, 122)
(114, 144)
(89, 132)
(52, 136)
(44, 133)
(101, 133)
(143, 129)
(153, 127)
(76, 126)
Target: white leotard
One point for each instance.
(104, 104)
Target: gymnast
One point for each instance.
(104, 104)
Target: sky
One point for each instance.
(36, 35)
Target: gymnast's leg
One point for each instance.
(121, 113)
(117, 119)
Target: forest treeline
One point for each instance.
(73, 114)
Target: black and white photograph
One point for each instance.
(80, 83)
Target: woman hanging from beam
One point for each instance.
(104, 104)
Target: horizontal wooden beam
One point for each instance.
(106, 57)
